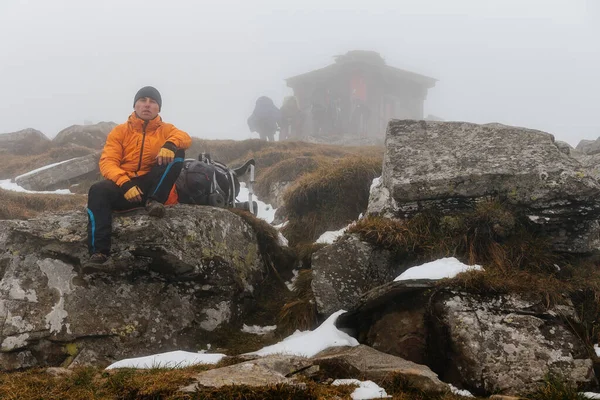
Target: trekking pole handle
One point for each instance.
(251, 190)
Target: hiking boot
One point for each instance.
(98, 258)
(155, 209)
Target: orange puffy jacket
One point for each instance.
(131, 148)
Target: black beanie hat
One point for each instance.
(148, 91)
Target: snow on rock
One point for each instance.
(292, 282)
(281, 225)
(597, 350)
(265, 211)
(365, 390)
(331, 236)
(42, 168)
(309, 343)
(590, 395)
(281, 240)
(376, 182)
(459, 392)
(258, 330)
(6, 184)
(439, 269)
(172, 359)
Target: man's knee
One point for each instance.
(102, 188)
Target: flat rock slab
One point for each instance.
(367, 363)
(450, 166)
(270, 370)
(62, 172)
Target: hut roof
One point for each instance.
(366, 59)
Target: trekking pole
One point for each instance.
(251, 190)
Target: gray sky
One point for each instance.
(532, 63)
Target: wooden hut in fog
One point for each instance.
(359, 94)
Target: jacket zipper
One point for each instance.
(142, 149)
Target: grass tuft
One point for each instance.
(329, 198)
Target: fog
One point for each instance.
(532, 63)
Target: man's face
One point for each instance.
(146, 108)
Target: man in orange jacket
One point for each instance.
(141, 161)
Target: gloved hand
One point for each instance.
(134, 195)
(165, 156)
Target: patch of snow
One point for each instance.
(590, 395)
(265, 211)
(281, 225)
(281, 240)
(376, 182)
(258, 330)
(597, 350)
(459, 392)
(443, 268)
(42, 168)
(365, 390)
(331, 236)
(6, 184)
(535, 218)
(172, 359)
(291, 283)
(309, 343)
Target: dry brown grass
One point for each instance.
(25, 205)
(301, 311)
(163, 384)
(329, 198)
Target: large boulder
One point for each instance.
(171, 283)
(485, 343)
(25, 142)
(509, 343)
(450, 166)
(92, 136)
(58, 174)
(346, 269)
(360, 362)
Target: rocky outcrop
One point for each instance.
(450, 166)
(510, 344)
(367, 363)
(345, 270)
(59, 174)
(589, 147)
(566, 148)
(24, 142)
(92, 136)
(171, 282)
(270, 370)
(488, 344)
(338, 363)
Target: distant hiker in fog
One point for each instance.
(141, 161)
(291, 119)
(265, 119)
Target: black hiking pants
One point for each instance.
(105, 197)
